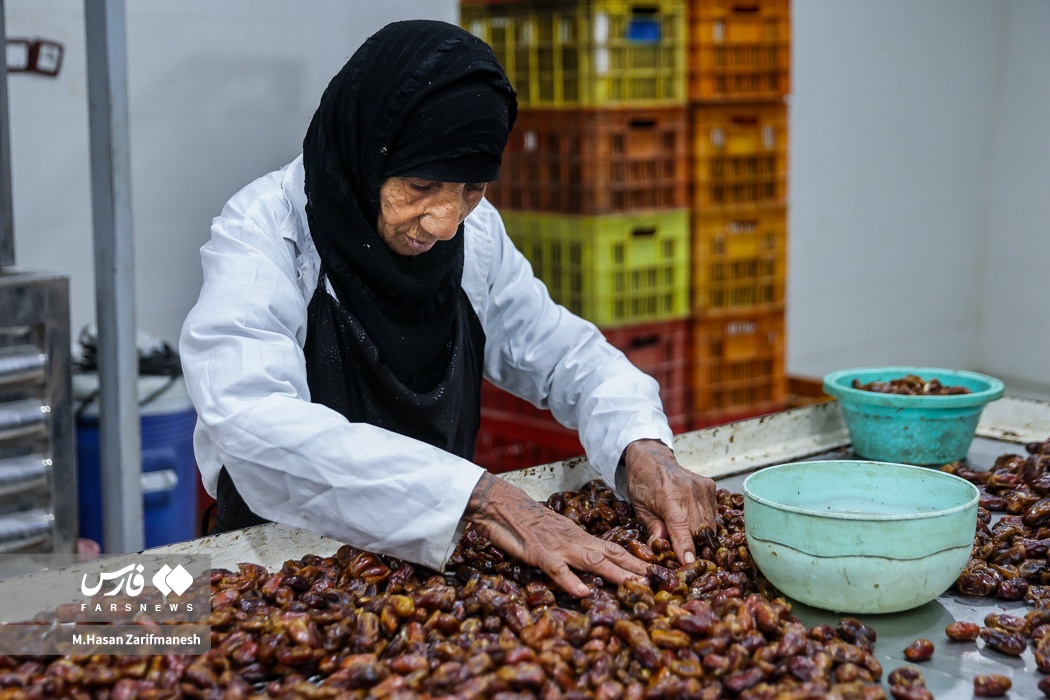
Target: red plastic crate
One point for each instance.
(660, 349)
(739, 49)
(586, 161)
(515, 434)
(739, 155)
(737, 363)
(739, 258)
(505, 445)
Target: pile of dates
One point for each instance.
(912, 385)
(358, 625)
(1009, 560)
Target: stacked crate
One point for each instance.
(594, 190)
(739, 54)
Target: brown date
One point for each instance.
(961, 631)
(1008, 643)
(1007, 622)
(991, 685)
(906, 676)
(910, 692)
(919, 650)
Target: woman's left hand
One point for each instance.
(672, 502)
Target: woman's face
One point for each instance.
(414, 213)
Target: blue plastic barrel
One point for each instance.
(169, 469)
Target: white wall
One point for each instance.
(918, 187)
(919, 179)
(1015, 313)
(891, 121)
(220, 93)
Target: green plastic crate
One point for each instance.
(612, 269)
(587, 53)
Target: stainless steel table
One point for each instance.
(728, 453)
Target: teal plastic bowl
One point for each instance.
(855, 536)
(922, 430)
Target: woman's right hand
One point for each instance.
(529, 531)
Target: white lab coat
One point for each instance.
(304, 464)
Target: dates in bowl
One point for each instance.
(923, 416)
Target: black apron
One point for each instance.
(350, 378)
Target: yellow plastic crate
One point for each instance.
(612, 269)
(739, 258)
(587, 53)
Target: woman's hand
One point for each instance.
(535, 534)
(672, 502)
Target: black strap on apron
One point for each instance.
(345, 373)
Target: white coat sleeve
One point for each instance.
(539, 351)
(294, 461)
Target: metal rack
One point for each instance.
(38, 503)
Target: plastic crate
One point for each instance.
(739, 155)
(505, 445)
(661, 350)
(587, 161)
(737, 364)
(739, 49)
(739, 258)
(587, 53)
(613, 269)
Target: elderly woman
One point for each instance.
(352, 303)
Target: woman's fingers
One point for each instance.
(672, 502)
(609, 560)
(680, 531)
(605, 559)
(531, 532)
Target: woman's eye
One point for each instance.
(477, 186)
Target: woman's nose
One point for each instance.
(442, 218)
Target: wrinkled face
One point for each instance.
(415, 213)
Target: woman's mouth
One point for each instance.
(417, 245)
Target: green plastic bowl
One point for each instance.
(854, 536)
(923, 430)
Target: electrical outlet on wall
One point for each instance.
(34, 56)
(17, 55)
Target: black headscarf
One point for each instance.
(422, 98)
(403, 348)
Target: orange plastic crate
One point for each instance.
(587, 161)
(739, 49)
(739, 155)
(737, 363)
(739, 258)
